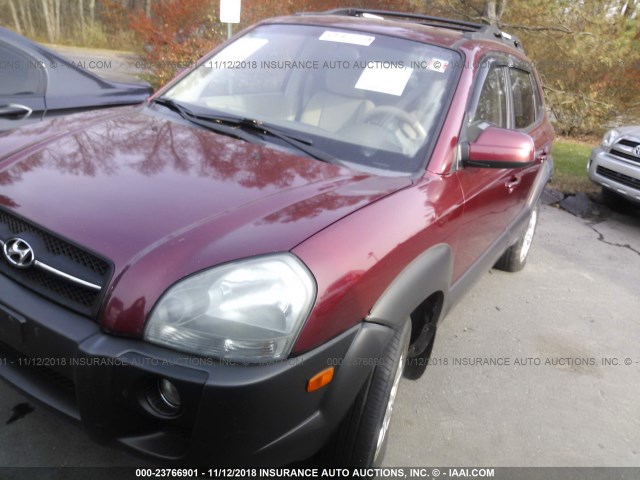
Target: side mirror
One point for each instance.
(499, 148)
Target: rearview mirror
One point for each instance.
(499, 148)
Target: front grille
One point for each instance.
(79, 298)
(629, 143)
(619, 177)
(626, 156)
(34, 365)
(626, 142)
(54, 245)
(55, 388)
(59, 288)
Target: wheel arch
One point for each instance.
(427, 275)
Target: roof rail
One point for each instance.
(469, 29)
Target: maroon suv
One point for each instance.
(240, 271)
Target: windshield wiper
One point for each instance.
(233, 125)
(172, 105)
(209, 124)
(301, 144)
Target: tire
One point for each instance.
(361, 438)
(417, 365)
(423, 335)
(515, 257)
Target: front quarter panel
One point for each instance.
(356, 259)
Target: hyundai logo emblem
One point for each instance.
(18, 253)
(637, 151)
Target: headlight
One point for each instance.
(250, 310)
(610, 137)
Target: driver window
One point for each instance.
(492, 103)
(20, 74)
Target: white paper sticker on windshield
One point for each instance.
(437, 65)
(239, 50)
(343, 37)
(384, 78)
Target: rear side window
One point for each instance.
(20, 75)
(538, 97)
(524, 105)
(492, 102)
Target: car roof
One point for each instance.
(448, 33)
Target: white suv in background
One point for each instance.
(616, 164)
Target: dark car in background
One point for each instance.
(240, 271)
(36, 83)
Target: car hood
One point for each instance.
(629, 130)
(163, 199)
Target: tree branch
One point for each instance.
(578, 96)
(541, 28)
(464, 14)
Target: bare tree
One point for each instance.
(81, 19)
(493, 11)
(49, 25)
(486, 11)
(27, 19)
(57, 18)
(14, 15)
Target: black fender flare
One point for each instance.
(428, 273)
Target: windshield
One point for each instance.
(372, 101)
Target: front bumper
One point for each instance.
(623, 177)
(230, 414)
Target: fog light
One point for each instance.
(161, 398)
(169, 393)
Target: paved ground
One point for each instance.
(577, 300)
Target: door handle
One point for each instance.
(14, 111)
(512, 184)
(542, 155)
